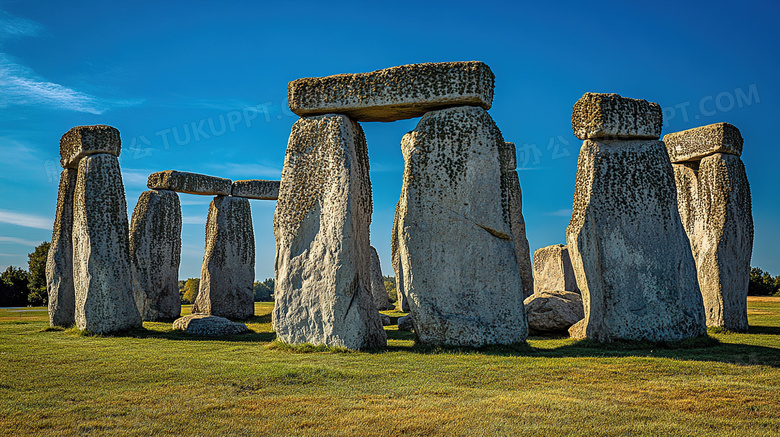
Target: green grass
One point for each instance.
(156, 381)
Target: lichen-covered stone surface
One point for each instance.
(256, 189)
(455, 242)
(403, 301)
(155, 252)
(694, 144)
(553, 311)
(228, 272)
(517, 225)
(553, 270)
(190, 183)
(59, 263)
(394, 93)
(628, 247)
(715, 204)
(378, 290)
(321, 224)
(102, 276)
(597, 115)
(210, 326)
(83, 141)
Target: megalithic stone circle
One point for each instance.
(59, 262)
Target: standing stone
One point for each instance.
(628, 248)
(155, 252)
(321, 224)
(101, 261)
(59, 263)
(553, 270)
(228, 272)
(403, 300)
(378, 290)
(516, 220)
(455, 240)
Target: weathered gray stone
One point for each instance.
(102, 277)
(577, 330)
(321, 224)
(508, 156)
(59, 263)
(553, 270)
(553, 311)
(714, 202)
(83, 141)
(385, 319)
(155, 252)
(456, 249)
(394, 93)
(256, 189)
(405, 323)
(598, 115)
(228, 272)
(403, 301)
(190, 183)
(628, 247)
(206, 325)
(378, 290)
(694, 144)
(517, 225)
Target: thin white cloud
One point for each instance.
(20, 241)
(11, 26)
(26, 220)
(560, 213)
(190, 220)
(132, 176)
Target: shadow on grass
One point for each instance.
(771, 330)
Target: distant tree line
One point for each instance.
(263, 290)
(763, 284)
(20, 287)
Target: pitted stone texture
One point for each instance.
(403, 301)
(405, 323)
(455, 242)
(256, 189)
(577, 330)
(694, 144)
(321, 224)
(190, 183)
(228, 272)
(553, 270)
(155, 252)
(714, 201)
(394, 93)
(378, 290)
(210, 326)
(386, 321)
(59, 262)
(83, 141)
(553, 311)
(517, 225)
(628, 248)
(508, 156)
(102, 277)
(597, 115)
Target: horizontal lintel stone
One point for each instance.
(189, 183)
(699, 142)
(82, 141)
(597, 115)
(256, 189)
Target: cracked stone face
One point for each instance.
(455, 242)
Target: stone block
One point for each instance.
(597, 115)
(190, 183)
(256, 189)
(694, 144)
(59, 262)
(83, 141)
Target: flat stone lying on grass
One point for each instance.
(83, 141)
(694, 144)
(212, 326)
(597, 115)
(394, 93)
(59, 262)
(190, 183)
(553, 311)
(258, 189)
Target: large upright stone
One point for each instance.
(59, 262)
(597, 115)
(628, 248)
(456, 248)
(323, 258)
(102, 276)
(516, 219)
(553, 270)
(394, 93)
(403, 300)
(715, 205)
(256, 189)
(83, 141)
(694, 144)
(155, 252)
(190, 183)
(378, 290)
(228, 272)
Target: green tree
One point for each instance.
(262, 292)
(36, 264)
(392, 293)
(761, 283)
(13, 287)
(191, 289)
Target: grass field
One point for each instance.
(155, 381)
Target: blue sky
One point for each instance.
(201, 87)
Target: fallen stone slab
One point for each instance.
(395, 93)
(210, 326)
(553, 270)
(83, 141)
(189, 183)
(597, 115)
(553, 311)
(59, 262)
(256, 189)
(694, 144)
